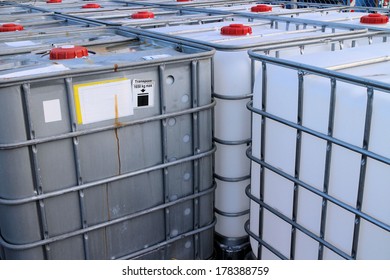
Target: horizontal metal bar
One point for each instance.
(104, 224)
(232, 180)
(359, 63)
(232, 97)
(231, 215)
(232, 143)
(104, 128)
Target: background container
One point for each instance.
(150, 17)
(232, 82)
(12, 26)
(42, 43)
(12, 8)
(79, 6)
(320, 161)
(109, 155)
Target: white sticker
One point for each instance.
(104, 100)
(20, 44)
(52, 110)
(143, 93)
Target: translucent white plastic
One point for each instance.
(345, 165)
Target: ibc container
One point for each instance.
(320, 157)
(376, 21)
(149, 17)
(232, 82)
(258, 8)
(65, 7)
(106, 151)
(189, 3)
(40, 23)
(10, 8)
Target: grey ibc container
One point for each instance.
(108, 156)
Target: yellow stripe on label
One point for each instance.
(76, 95)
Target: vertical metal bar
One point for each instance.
(363, 169)
(196, 150)
(328, 160)
(253, 76)
(35, 167)
(75, 142)
(298, 146)
(164, 148)
(262, 155)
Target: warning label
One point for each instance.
(143, 93)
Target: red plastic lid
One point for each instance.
(374, 19)
(91, 6)
(53, 1)
(68, 52)
(183, 0)
(261, 8)
(9, 27)
(142, 14)
(236, 29)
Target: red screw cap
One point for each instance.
(236, 29)
(261, 8)
(68, 52)
(91, 6)
(53, 1)
(10, 27)
(374, 19)
(142, 15)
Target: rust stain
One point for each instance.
(117, 124)
(116, 109)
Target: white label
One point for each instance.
(52, 110)
(143, 93)
(20, 44)
(105, 100)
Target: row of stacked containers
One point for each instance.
(193, 130)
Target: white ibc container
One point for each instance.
(9, 8)
(19, 43)
(232, 90)
(257, 8)
(320, 159)
(188, 3)
(81, 6)
(20, 25)
(148, 17)
(376, 21)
